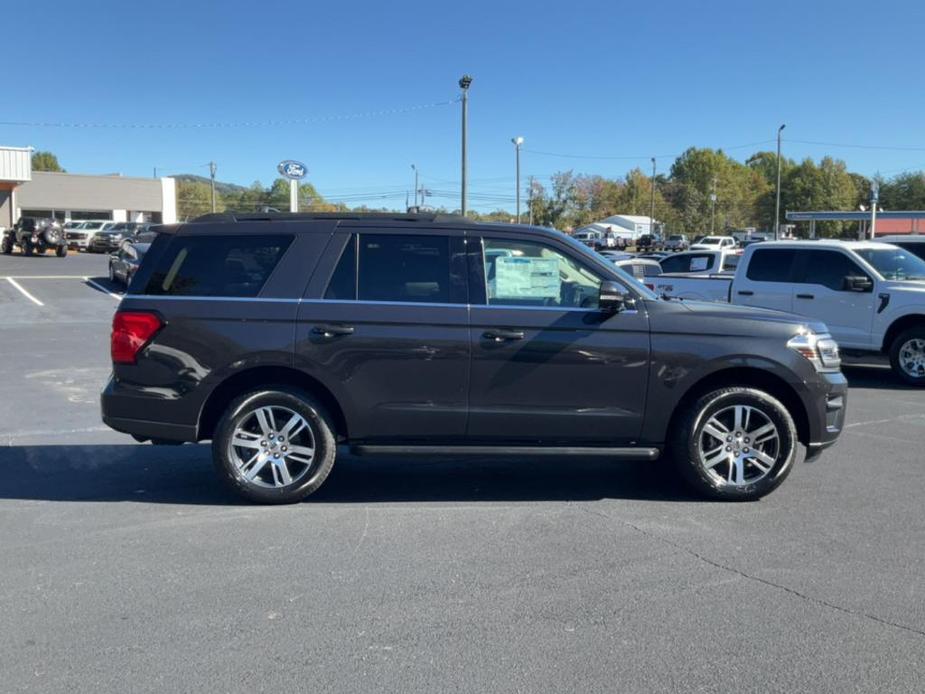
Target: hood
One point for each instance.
(708, 317)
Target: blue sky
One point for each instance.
(601, 79)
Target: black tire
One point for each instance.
(61, 251)
(26, 248)
(112, 273)
(685, 445)
(321, 432)
(7, 247)
(914, 376)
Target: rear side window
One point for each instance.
(771, 265)
(914, 248)
(730, 262)
(687, 263)
(234, 266)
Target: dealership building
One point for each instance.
(65, 196)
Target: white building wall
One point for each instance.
(16, 164)
(169, 200)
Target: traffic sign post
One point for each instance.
(295, 171)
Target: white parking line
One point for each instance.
(102, 288)
(24, 292)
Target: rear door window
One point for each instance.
(233, 266)
(772, 265)
(404, 268)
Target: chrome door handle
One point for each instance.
(503, 335)
(329, 331)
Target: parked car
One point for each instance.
(124, 263)
(79, 237)
(649, 242)
(280, 336)
(110, 238)
(589, 238)
(914, 243)
(714, 243)
(870, 294)
(682, 274)
(677, 242)
(35, 235)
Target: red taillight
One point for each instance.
(131, 331)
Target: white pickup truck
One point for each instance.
(700, 275)
(870, 295)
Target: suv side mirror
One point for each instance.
(614, 298)
(856, 283)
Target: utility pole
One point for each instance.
(415, 169)
(531, 201)
(518, 141)
(212, 170)
(777, 202)
(874, 199)
(464, 82)
(652, 205)
(713, 207)
(155, 172)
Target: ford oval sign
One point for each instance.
(293, 170)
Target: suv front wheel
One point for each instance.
(735, 443)
(274, 446)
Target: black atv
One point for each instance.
(35, 235)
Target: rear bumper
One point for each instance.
(125, 412)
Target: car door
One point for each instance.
(820, 292)
(390, 332)
(768, 279)
(547, 365)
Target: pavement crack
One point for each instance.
(757, 579)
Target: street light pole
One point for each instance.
(415, 169)
(652, 205)
(212, 169)
(530, 202)
(777, 202)
(464, 82)
(518, 141)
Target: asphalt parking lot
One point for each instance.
(128, 567)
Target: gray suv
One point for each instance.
(279, 337)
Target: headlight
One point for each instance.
(821, 350)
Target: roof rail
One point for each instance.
(426, 217)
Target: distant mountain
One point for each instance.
(220, 187)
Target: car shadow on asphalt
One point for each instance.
(875, 376)
(184, 475)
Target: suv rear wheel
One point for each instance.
(274, 446)
(907, 356)
(735, 443)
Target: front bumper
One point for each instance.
(826, 409)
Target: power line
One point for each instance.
(896, 148)
(234, 124)
(640, 156)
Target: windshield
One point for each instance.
(894, 263)
(711, 239)
(92, 225)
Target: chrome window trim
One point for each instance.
(280, 300)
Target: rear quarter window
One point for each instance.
(233, 266)
(771, 265)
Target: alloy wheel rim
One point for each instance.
(738, 446)
(272, 447)
(912, 357)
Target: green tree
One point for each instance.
(904, 192)
(45, 161)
